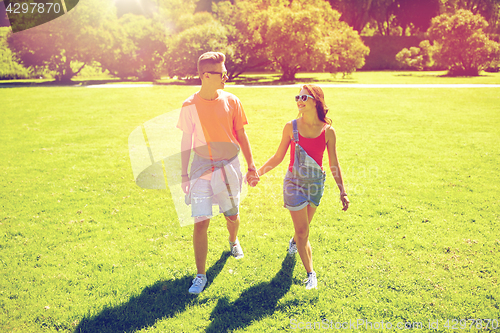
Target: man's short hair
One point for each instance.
(209, 59)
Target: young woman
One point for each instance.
(303, 187)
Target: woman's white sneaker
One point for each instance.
(311, 281)
(292, 247)
(236, 250)
(199, 283)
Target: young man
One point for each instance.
(212, 123)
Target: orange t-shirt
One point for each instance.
(213, 124)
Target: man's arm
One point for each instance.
(186, 144)
(251, 177)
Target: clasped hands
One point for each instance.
(252, 178)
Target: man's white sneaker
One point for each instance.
(199, 283)
(292, 246)
(311, 281)
(236, 250)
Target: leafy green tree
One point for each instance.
(489, 9)
(10, 69)
(295, 38)
(174, 12)
(356, 13)
(372, 13)
(460, 43)
(137, 49)
(307, 35)
(347, 51)
(245, 23)
(414, 14)
(416, 57)
(205, 34)
(61, 44)
(119, 59)
(381, 17)
(204, 6)
(289, 36)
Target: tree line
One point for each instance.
(283, 35)
(459, 43)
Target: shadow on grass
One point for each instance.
(164, 299)
(255, 303)
(446, 75)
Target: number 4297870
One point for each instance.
(32, 8)
(455, 324)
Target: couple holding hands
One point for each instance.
(212, 122)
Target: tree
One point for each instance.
(205, 6)
(295, 38)
(246, 26)
(138, 48)
(489, 9)
(304, 35)
(460, 43)
(381, 17)
(206, 34)
(416, 14)
(173, 12)
(360, 13)
(416, 57)
(356, 13)
(10, 69)
(61, 44)
(347, 51)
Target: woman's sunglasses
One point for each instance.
(302, 98)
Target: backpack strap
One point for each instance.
(295, 132)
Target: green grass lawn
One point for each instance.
(374, 77)
(82, 248)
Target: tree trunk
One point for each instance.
(288, 73)
(65, 73)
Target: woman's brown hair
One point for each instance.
(319, 97)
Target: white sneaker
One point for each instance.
(236, 250)
(292, 247)
(311, 281)
(199, 283)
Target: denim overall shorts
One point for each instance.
(305, 184)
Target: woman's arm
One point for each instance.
(278, 157)
(331, 142)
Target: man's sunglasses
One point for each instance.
(220, 73)
(302, 98)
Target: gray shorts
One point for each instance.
(202, 198)
(222, 189)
